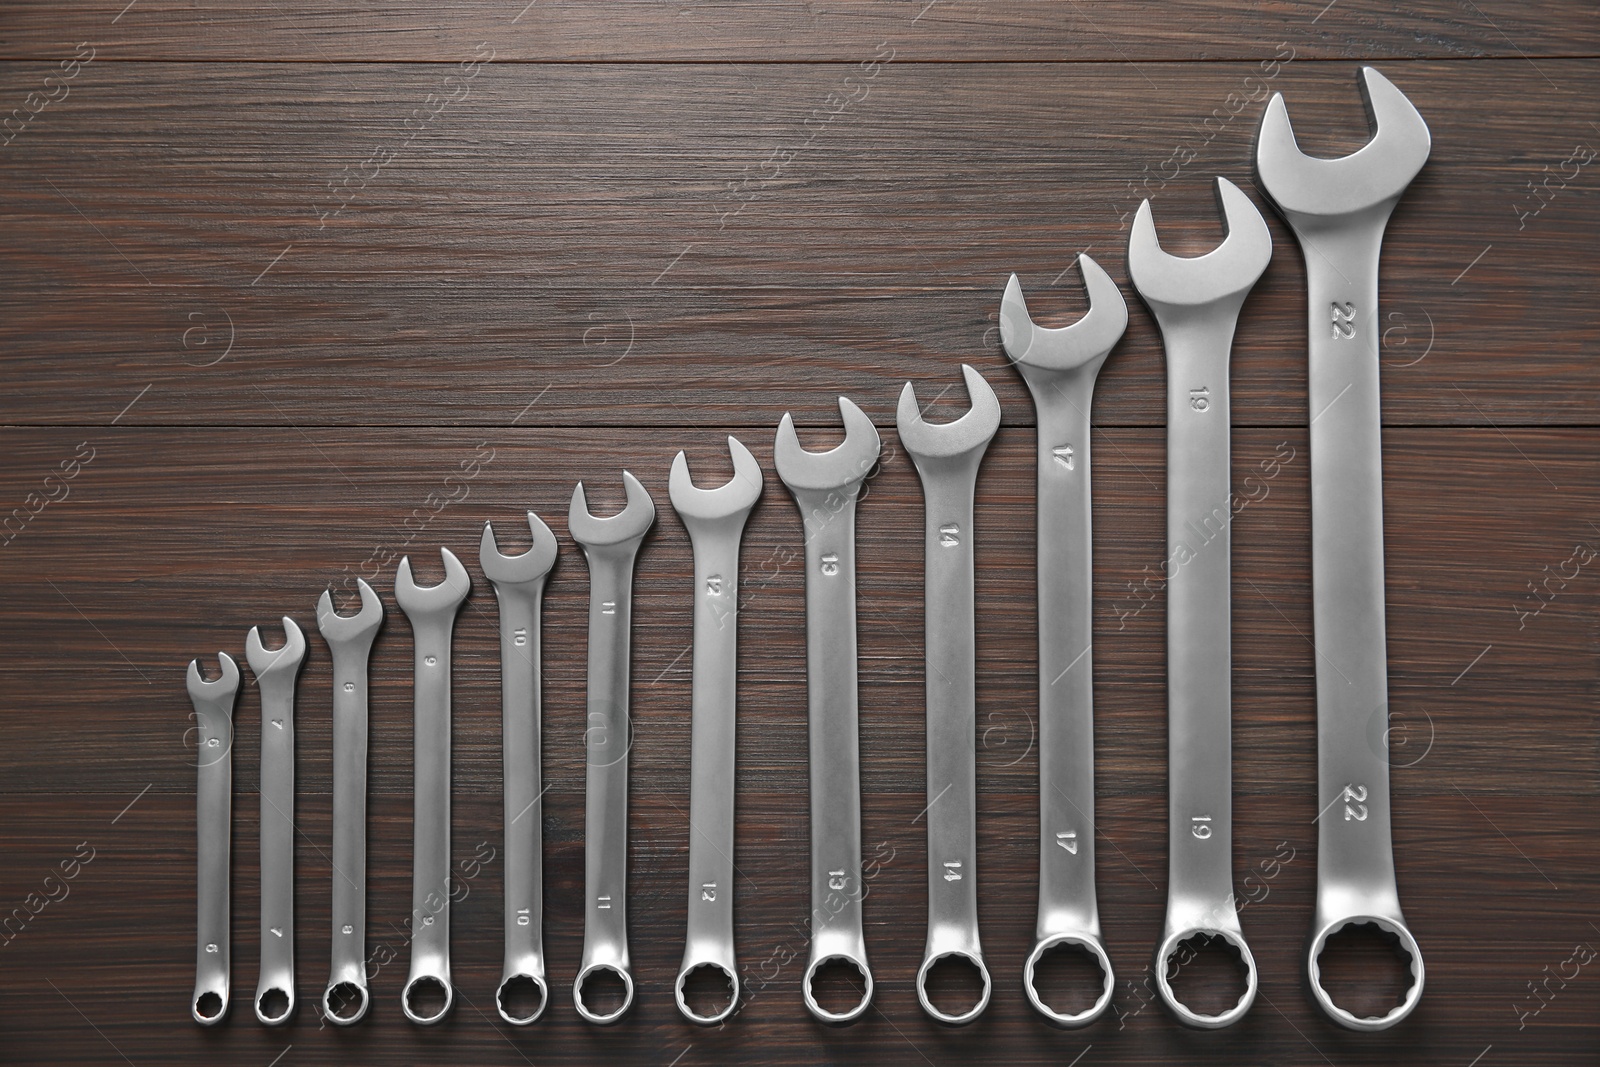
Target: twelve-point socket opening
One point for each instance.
(706, 992)
(520, 999)
(273, 1005)
(208, 1006)
(604, 993)
(955, 987)
(345, 1002)
(839, 987)
(1069, 980)
(427, 999)
(1366, 969)
(1207, 974)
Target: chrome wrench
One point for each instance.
(715, 520)
(349, 638)
(1060, 367)
(213, 716)
(610, 546)
(276, 671)
(428, 995)
(825, 487)
(947, 457)
(519, 591)
(1338, 209)
(1196, 303)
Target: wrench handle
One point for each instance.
(714, 722)
(608, 738)
(1067, 901)
(430, 863)
(520, 717)
(833, 715)
(214, 829)
(277, 847)
(950, 686)
(349, 822)
(1355, 849)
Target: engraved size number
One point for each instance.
(830, 564)
(1068, 839)
(1200, 826)
(950, 535)
(837, 880)
(523, 919)
(1343, 318)
(1200, 399)
(952, 870)
(708, 892)
(1355, 807)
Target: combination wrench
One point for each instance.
(213, 716)
(610, 546)
(1196, 304)
(825, 487)
(519, 591)
(947, 458)
(1060, 367)
(431, 610)
(276, 671)
(715, 520)
(1338, 209)
(349, 639)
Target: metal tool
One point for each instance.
(715, 520)
(519, 591)
(349, 640)
(610, 546)
(1196, 303)
(825, 487)
(276, 670)
(1060, 366)
(1338, 209)
(947, 458)
(213, 794)
(428, 995)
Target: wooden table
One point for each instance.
(291, 291)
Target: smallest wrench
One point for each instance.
(349, 638)
(947, 458)
(519, 591)
(276, 671)
(213, 715)
(431, 611)
(715, 520)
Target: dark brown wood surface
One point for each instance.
(262, 307)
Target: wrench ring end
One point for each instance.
(281, 1017)
(959, 1018)
(1391, 925)
(627, 993)
(419, 982)
(1095, 949)
(210, 997)
(531, 1017)
(823, 1014)
(717, 1017)
(1182, 1011)
(346, 991)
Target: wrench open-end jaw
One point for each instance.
(428, 995)
(1339, 209)
(825, 487)
(345, 999)
(1060, 366)
(947, 457)
(276, 670)
(213, 716)
(519, 591)
(715, 520)
(610, 546)
(1196, 303)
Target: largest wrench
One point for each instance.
(431, 611)
(825, 487)
(1060, 366)
(1196, 302)
(609, 548)
(1338, 209)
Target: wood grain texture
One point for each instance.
(269, 327)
